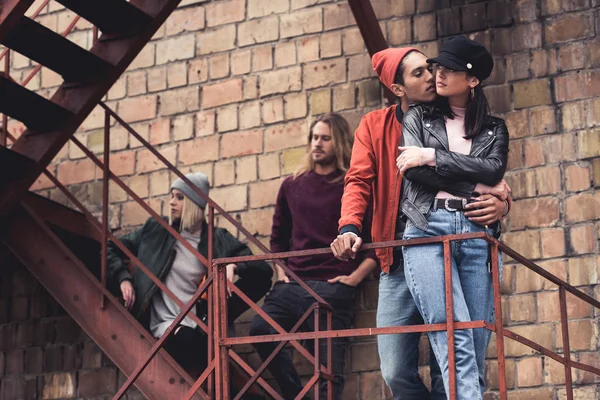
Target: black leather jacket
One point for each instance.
(457, 174)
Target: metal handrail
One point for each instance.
(497, 327)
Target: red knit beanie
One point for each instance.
(386, 62)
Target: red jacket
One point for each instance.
(373, 166)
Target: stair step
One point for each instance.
(112, 17)
(50, 49)
(36, 112)
(13, 165)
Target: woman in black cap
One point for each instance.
(453, 141)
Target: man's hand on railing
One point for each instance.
(231, 271)
(281, 275)
(128, 294)
(346, 246)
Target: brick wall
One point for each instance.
(229, 88)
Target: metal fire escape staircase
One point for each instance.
(37, 230)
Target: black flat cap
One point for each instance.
(460, 53)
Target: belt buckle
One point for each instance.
(447, 204)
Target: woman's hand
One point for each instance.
(231, 270)
(128, 293)
(412, 156)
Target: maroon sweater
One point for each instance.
(306, 217)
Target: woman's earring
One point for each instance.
(472, 93)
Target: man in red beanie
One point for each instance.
(373, 172)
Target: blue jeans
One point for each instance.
(471, 288)
(399, 354)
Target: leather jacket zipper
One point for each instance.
(488, 144)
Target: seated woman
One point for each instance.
(453, 140)
(182, 272)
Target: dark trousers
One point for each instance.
(286, 303)
(189, 347)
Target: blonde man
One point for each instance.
(306, 215)
(182, 272)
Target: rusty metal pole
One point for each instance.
(105, 226)
(211, 299)
(329, 355)
(4, 116)
(564, 322)
(222, 350)
(498, 321)
(217, 300)
(450, 320)
(317, 358)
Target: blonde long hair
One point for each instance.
(191, 214)
(342, 142)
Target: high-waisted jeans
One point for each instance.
(471, 288)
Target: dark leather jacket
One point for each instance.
(457, 174)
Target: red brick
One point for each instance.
(583, 239)
(123, 163)
(272, 110)
(222, 93)
(568, 27)
(177, 75)
(71, 172)
(541, 334)
(592, 358)
(146, 161)
(160, 131)
(577, 177)
(531, 93)
(301, 22)
(260, 8)
(249, 115)
(582, 207)
(295, 105)
(285, 54)
(262, 58)
(250, 87)
(541, 393)
(424, 27)
(263, 194)
(338, 16)
(227, 119)
(157, 79)
(205, 123)
(183, 127)
(517, 66)
(198, 71)
(390, 8)
(140, 108)
(224, 173)
(97, 382)
(258, 222)
(199, 150)
(571, 56)
(526, 36)
(582, 271)
(241, 143)
(186, 20)
(179, 100)
(258, 31)
(527, 243)
(281, 81)
(240, 62)
(246, 169)
(585, 339)
(576, 86)
(548, 180)
(588, 143)
(323, 73)
(553, 243)
(529, 372)
(331, 44)
(214, 41)
(225, 12)
(522, 308)
(285, 136)
(178, 48)
(219, 66)
(231, 198)
(268, 166)
(308, 49)
(533, 213)
(352, 42)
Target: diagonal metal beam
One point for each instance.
(11, 12)
(369, 28)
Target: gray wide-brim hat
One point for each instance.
(198, 179)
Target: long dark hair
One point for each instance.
(477, 111)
